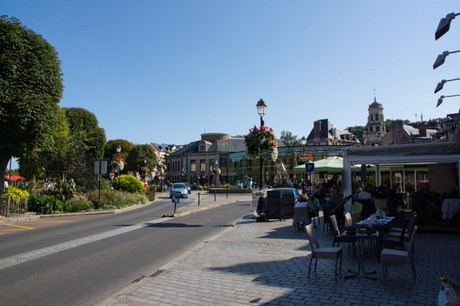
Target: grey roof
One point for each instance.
(188, 148)
(228, 145)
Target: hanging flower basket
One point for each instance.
(261, 143)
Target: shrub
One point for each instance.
(79, 203)
(129, 183)
(114, 199)
(63, 189)
(45, 204)
(16, 194)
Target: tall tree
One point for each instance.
(289, 139)
(35, 164)
(86, 145)
(30, 90)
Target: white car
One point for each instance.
(178, 190)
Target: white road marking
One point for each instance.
(25, 257)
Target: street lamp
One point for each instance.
(261, 108)
(442, 57)
(303, 140)
(441, 98)
(118, 149)
(441, 84)
(444, 25)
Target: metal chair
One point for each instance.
(322, 252)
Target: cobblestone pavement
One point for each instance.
(266, 263)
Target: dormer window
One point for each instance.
(202, 146)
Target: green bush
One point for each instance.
(45, 204)
(77, 204)
(114, 199)
(129, 183)
(63, 189)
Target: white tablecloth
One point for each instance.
(450, 207)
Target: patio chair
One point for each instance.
(322, 252)
(392, 255)
(394, 242)
(338, 237)
(396, 231)
(300, 218)
(381, 204)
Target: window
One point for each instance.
(202, 165)
(193, 165)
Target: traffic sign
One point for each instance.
(309, 167)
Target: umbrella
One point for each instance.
(332, 164)
(15, 178)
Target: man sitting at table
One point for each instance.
(365, 197)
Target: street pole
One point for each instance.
(261, 107)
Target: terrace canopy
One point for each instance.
(435, 156)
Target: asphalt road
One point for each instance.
(84, 260)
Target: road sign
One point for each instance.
(309, 167)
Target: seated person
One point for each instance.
(302, 202)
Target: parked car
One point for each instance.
(189, 187)
(280, 203)
(288, 190)
(178, 190)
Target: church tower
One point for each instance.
(375, 127)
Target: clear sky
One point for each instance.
(167, 71)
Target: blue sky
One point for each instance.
(167, 71)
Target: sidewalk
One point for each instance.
(266, 263)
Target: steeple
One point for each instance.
(375, 127)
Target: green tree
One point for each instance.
(117, 159)
(110, 148)
(289, 139)
(84, 124)
(86, 145)
(357, 131)
(35, 164)
(30, 90)
(141, 158)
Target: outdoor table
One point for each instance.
(367, 229)
(375, 222)
(362, 234)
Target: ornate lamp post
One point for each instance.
(118, 149)
(304, 143)
(261, 108)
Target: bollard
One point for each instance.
(198, 199)
(214, 195)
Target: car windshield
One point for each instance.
(179, 186)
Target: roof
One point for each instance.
(405, 153)
(228, 145)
